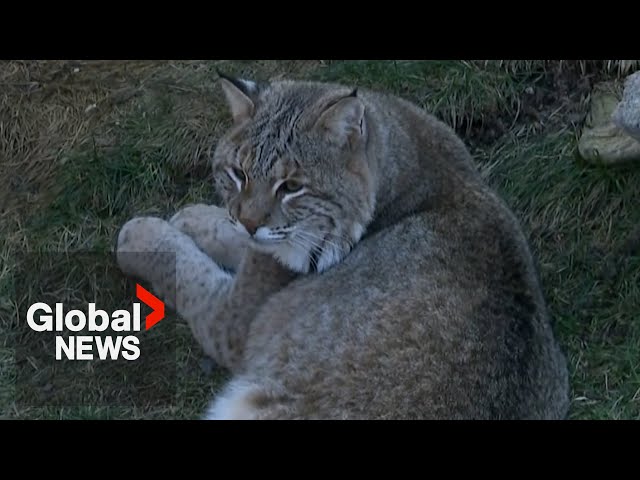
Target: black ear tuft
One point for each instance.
(246, 87)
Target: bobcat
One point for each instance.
(361, 268)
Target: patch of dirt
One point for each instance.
(553, 101)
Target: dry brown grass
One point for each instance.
(48, 108)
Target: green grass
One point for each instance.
(96, 191)
(149, 157)
(460, 93)
(577, 218)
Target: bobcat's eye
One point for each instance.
(237, 175)
(290, 186)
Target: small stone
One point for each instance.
(123, 95)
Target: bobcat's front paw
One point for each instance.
(215, 233)
(146, 245)
(179, 272)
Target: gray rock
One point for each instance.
(608, 145)
(627, 113)
(602, 140)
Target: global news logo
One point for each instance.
(41, 317)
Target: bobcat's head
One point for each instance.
(293, 169)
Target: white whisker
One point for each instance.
(308, 247)
(329, 242)
(309, 241)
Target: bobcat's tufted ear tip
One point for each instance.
(248, 87)
(240, 94)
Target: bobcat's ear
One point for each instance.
(241, 96)
(344, 120)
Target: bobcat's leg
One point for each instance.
(193, 284)
(214, 232)
(218, 307)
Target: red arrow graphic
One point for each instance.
(154, 302)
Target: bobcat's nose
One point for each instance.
(249, 224)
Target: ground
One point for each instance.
(86, 145)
